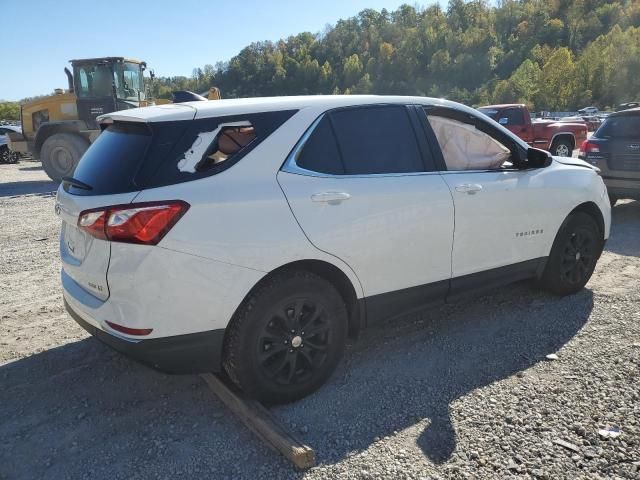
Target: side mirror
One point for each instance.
(537, 158)
(503, 121)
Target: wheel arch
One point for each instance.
(591, 209)
(566, 136)
(332, 274)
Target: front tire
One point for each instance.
(60, 154)
(562, 148)
(574, 254)
(287, 337)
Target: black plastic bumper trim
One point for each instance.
(191, 353)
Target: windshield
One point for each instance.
(93, 80)
(129, 82)
(104, 79)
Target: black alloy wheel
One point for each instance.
(579, 256)
(293, 344)
(287, 337)
(576, 249)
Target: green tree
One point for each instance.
(352, 70)
(9, 111)
(557, 81)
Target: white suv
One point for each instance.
(255, 235)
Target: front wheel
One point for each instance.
(287, 338)
(574, 254)
(562, 148)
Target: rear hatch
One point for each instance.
(618, 140)
(131, 156)
(105, 176)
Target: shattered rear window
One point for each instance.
(212, 148)
(208, 146)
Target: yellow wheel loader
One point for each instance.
(58, 129)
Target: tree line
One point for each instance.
(551, 55)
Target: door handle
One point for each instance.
(332, 198)
(470, 188)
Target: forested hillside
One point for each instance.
(552, 55)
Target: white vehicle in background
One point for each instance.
(588, 111)
(255, 235)
(6, 155)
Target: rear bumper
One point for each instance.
(192, 353)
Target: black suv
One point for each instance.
(615, 149)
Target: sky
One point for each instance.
(39, 37)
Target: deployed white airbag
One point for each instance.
(466, 148)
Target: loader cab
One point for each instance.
(105, 85)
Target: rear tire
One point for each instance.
(287, 338)
(562, 148)
(61, 153)
(574, 254)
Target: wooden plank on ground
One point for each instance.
(261, 422)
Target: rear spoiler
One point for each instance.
(159, 113)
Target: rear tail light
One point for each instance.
(589, 147)
(143, 223)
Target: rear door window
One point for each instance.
(320, 152)
(362, 141)
(377, 140)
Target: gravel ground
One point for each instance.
(463, 391)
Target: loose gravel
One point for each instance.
(516, 384)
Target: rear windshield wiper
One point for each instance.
(76, 183)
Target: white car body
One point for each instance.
(406, 237)
(588, 110)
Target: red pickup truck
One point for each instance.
(559, 138)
